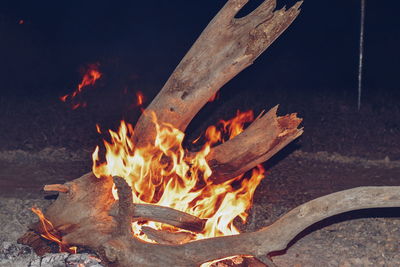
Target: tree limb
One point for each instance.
(258, 244)
(259, 142)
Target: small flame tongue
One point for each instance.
(49, 233)
(162, 174)
(92, 74)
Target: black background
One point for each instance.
(146, 39)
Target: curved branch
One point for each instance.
(276, 236)
(258, 244)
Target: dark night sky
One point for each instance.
(146, 39)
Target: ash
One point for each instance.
(15, 255)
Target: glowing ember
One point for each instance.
(49, 233)
(90, 77)
(164, 174)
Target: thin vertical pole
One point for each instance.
(361, 53)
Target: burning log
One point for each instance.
(259, 244)
(121, 248)
(260, 141)
(146, 212)
(87, 213)
(90, 201)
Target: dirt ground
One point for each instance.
(363, 238)
(45, 142)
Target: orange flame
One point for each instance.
(214, 97)
(90, 77)
(49, 232)
(225, 130)
(140, 98)
(163, 174)
(98, 129)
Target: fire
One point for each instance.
(164, 174)
(140, 98)
(214, 97)
(92, 74)
(49, 232)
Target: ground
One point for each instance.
(340, 149)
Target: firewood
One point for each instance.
(119, 246)
(127, 251)
(267, 135)
(93, 197)
(148, 212)
(56, 187)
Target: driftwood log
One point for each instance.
(86, 214)
(116, 245)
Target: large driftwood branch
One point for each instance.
(226, 47)
(272, 238)
(111, 237)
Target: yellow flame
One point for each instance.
(162, 173)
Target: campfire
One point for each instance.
(150, 201)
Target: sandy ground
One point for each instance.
(363, 238)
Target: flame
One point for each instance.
(98, 129)
(214, 97)
(49, 232)
(139, 98)
(92, 74)
(164, 174)
(90, 77)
